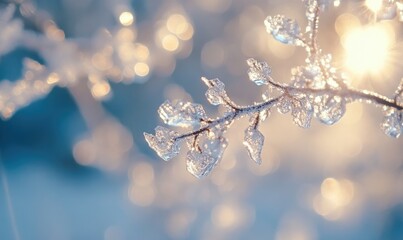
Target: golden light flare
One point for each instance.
(367, 48)
(374, 5)
(126, 18)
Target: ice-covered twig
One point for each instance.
(317, 89)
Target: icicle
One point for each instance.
(201, 163)
(253, 141)
(164, 142)
(302, 111)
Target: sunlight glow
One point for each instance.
(374, 5)
(367, 48)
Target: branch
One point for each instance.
(316, 90)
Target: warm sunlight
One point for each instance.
(367, 48)
(374, 5)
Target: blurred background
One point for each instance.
(81, 80)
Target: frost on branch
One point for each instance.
(181, 114)
(316, 90)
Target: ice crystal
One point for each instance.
(285, 105)
(215, 93)
(164, 142)
(258, 72)
(283, 29)
(200, 162)
(393, 122)
(181, 114)
(253, 142)
(330, 109)
(302, 111)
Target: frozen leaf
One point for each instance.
(258, 72)
(393, 122)
(283, 29)
(302, 111)
(201, 163)
(215, 93)
(284, 105)
(181, 114)
(331, 109)
(253, 142)
(164, 142)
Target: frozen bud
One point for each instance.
(201, 163)
(215, 93)
(164, 142)
(331, 109)
(258, 72)
(392, 124)
(253, 141)
(283, 29)
(181, 114)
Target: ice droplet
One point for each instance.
(215, 93)
(331, 109)
(302, 111)
(258, 72)
(181, 114)
(201, 163)
(253, 142)
(284, 105)
(388, 11)
(283, 29)
(164, 142)
(392, 124)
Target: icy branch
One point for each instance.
(317, 90)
